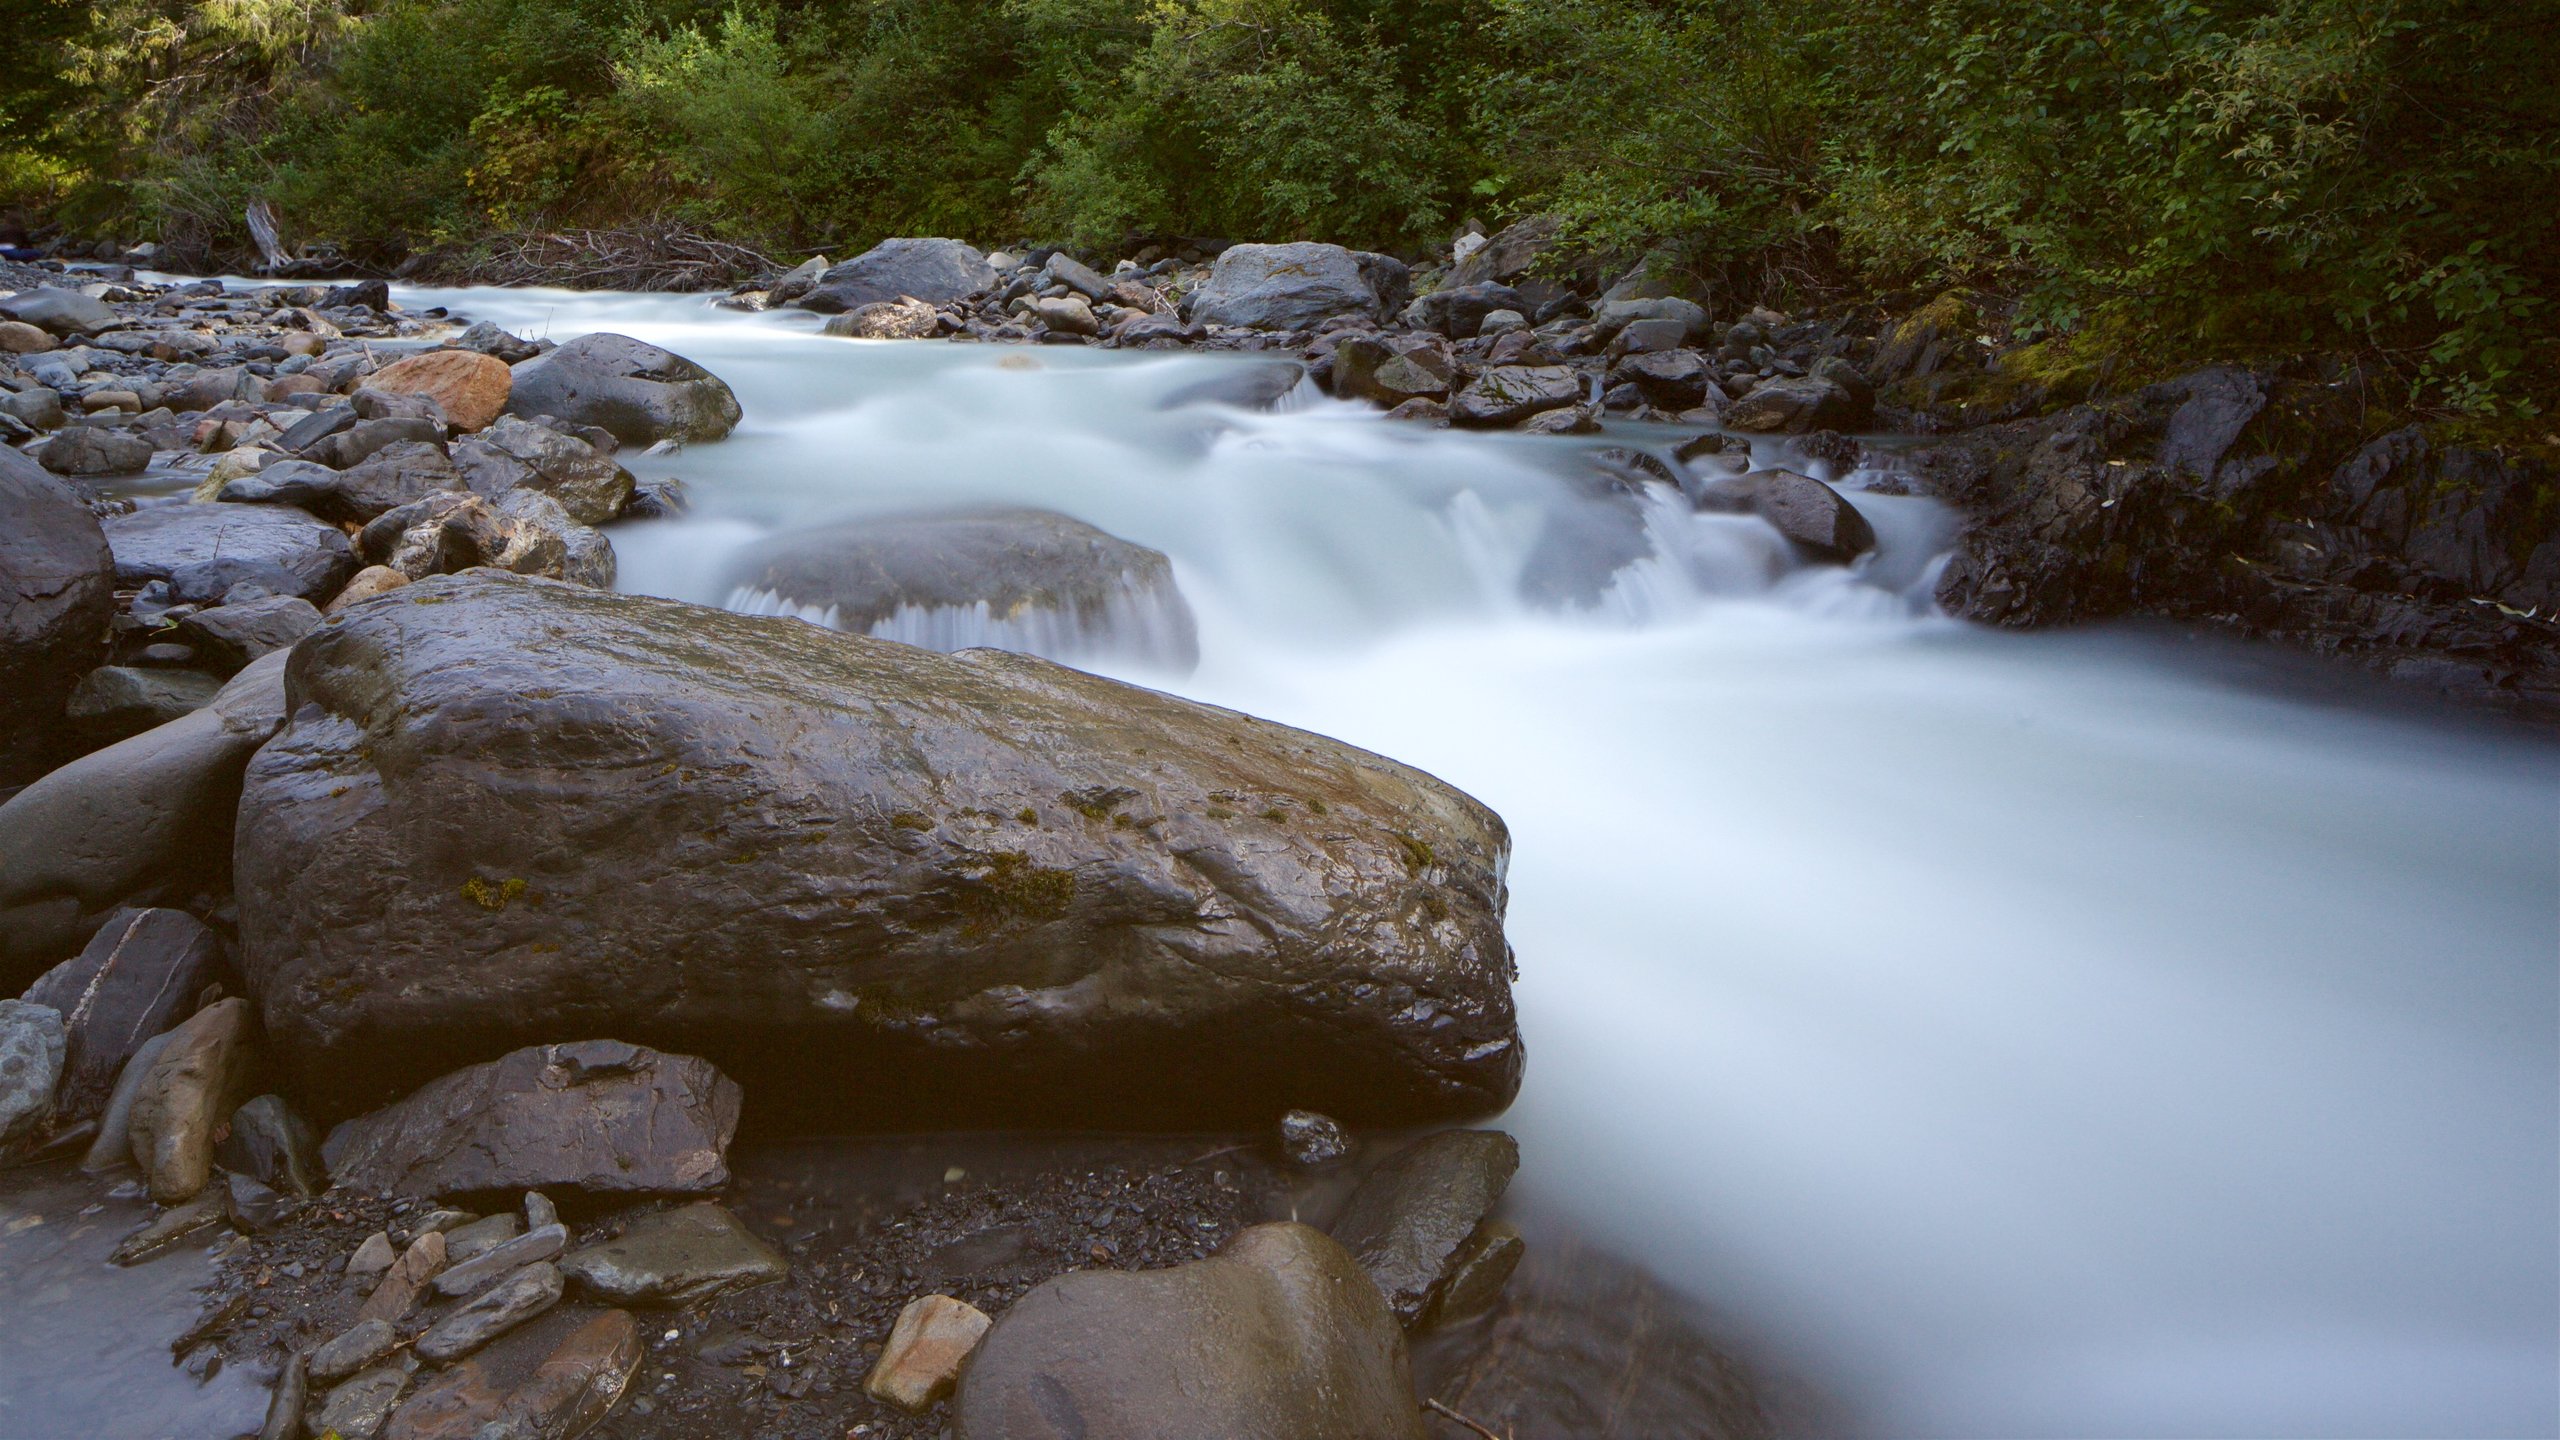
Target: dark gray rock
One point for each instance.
(95, 450)
(1278, 1337)
(1792, 405)
(203, 550)
(1612, 316)
(139, 975)
(469, 1242)
(675, 1257)
(934, 271)
(503, 1307)
(1509, 394)
(1310, 1139)
(1389, 279)
(360, 441)
(1458, 311)
(1283, 287)
(143, 821)
(1510, 254)
(469, 1275)
(306, 483)
(595, 1115)
(315, 427)
(641, 393)
(1672, 379)
(947, 889)
(516, 452)
(400, 473)
(116, 701)
(1049, 585)
(1413, 1215)
(230, 636)
(1067, 270)
(1803, 509)
(284, 1405)
(273, 1145)
(357, 1408)
(31, 1052)
(252, 1206)
(489, 339)
(57, 598)
(364, 1343)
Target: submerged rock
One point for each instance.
(887, 881)
(596, 1115)
(1278, 1337)
(1026, 580)
(57, 597)
(641, 393)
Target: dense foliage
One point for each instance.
(2179, 177)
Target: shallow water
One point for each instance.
(2066, 1035)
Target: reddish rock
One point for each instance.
(471, 387)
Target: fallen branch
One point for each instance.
(651, 257)
(1436, 1408)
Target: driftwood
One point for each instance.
(650, 257)
(264, 230)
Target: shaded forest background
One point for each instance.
(2177, 179)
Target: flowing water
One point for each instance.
(2067, 1035)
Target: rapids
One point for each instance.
(2088, 1034)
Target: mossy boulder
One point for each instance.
(873, 883)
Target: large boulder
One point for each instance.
(1284, 287)
(634, 389)
(896, 884)
(595, 1115)
(1806, 511)
(1277, 1337)
(140, 973)
(57, 597)
(144, 821)
(934, 271)
(1410, 1221)
(1027, 580)
(204, 550)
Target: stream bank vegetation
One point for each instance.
(2144, 185)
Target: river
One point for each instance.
(2089, 1034)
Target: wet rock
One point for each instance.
(230, 636)
(169, 1227)
(1572, 420)
(360, 1345)
(1295, 286)
(116, 701)
(113, 1145)
(1018, 579)
(406, 1280)
(284, 1406)
(920, 1363)
(469, 1242)
(470, 387)
(31, 1051)
(369, 436)
(1415, 1213)
(60, 312)
(1476, 1275)
(400, 473)
(145, 820)
(192, 1089)
(886, 320)
(596, 1115)
(134, 979)
(1278, 1335)
(1509, 394)
(675, 1257)
(934, 271)
(1801, 508)
(574, 1385)
(516, 452)
(639, 392)
(275, 1146)
(501, 1308)
(57, 597)
(1310, 1139)
(969, 932)
(1793, 405)
(357, 1409)
(94, 450)
(254, 1208)
(204, 550)
(467, 1277)
(1673, 379)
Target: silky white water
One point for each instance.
(2007, 1036)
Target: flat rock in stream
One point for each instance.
(674, 1257)
(886, 881)
(204, 550)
